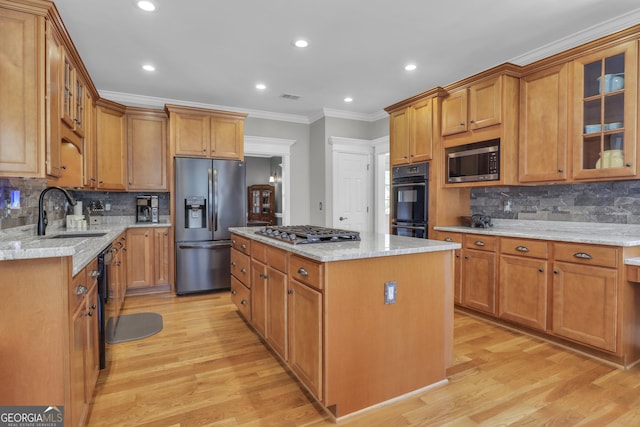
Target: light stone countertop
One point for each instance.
(371, 245)
(562, 231)
(23, 243)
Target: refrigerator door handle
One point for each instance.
(215, 200)
(202, 246)
(210, 191)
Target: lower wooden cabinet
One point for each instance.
(305, 335)
(277, 334)
(147, 258)
(585, 304)
(84, 351)
(479, 273)
(523, 291)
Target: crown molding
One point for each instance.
(349, 115)
(594, 32)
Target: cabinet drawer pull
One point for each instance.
(81, 290)
(243, 246)
(448, 239)
(243, 302)
(243, 270)
(582, 255)
(522, 249)
(303, 272)
(264, 276)
(90, 313)
(478, 243)
(94, 273)
(233, 263)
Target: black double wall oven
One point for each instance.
(410, 200)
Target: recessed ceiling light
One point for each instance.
(146, 5)
(410, 67)
(348, 99)
(148, 67)
(301, 43)
(261, 86)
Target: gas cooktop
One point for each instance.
(297, 234)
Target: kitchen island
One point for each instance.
(359, 323)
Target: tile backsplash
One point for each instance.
(25, 212)
(604, 202)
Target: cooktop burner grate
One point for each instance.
(297, 234)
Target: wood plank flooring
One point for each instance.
(208, 368)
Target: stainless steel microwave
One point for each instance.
(475, 162)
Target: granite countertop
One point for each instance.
(23, 243)
(562, 231)
(371, 245)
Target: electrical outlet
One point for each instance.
(507, 205)
(390, 291)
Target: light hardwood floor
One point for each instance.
(207, 368)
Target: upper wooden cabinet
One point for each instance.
(411, 131)
(22, 121)
(146, 150)
(111, 147)
(543, 141)
(605, 87)
(475, 107)
(199, 132)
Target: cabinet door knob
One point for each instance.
(233, 263)
(233, 292)
(541, 270)
(243, 270)
(290, 291)
(471, 121)
(81, 290)
(303, 272)
(466, 257)
(243, 246)
(556, 272)
(628, 165)
(560, 170)
(243, 302)
(94, 273)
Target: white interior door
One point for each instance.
(352, 198)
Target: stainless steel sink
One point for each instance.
(76, 235)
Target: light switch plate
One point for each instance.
(390, 291)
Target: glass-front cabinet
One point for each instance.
(605, 91)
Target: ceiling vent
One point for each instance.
(290, 96)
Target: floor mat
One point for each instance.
(130, 327)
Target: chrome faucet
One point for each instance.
(42, 214)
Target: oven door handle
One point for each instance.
(409, 227)
(409, 184)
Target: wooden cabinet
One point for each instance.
(84, 359)
(241, 276)
(200, 132)
(305, 334)
(73, 100)
(523, 282)
(261, 204)
(585, 294)
(543, 142)
(475, 107)
(117, 276)
(146, 150)
(411, 133)
(22, 100)
(89, 160)
(111, 146)
(139, 258)
(276, 301)
(605, 100)
(479, 273)
(259, 296)
(147, 258)
(457, 274)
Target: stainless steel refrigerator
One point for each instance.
(210, 197)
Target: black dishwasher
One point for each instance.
(104, 259)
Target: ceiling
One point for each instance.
(213, 53)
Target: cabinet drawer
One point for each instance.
(241, 267)
(480, 242)
(306, 271)
(77, 289)
(633, 273)
(449, 237)
(241, 244)
(605, 256)
(259, 251)
(241, 297)
(524, 247)
(277, 258)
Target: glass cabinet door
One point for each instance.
(605, 85)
